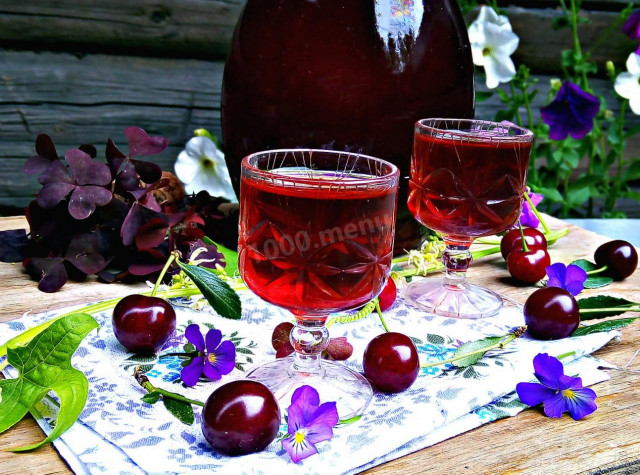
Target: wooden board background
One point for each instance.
(84, 70)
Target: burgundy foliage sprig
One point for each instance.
(119, 218)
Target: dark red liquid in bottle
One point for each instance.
(465, 188)
(349, 75)
(315, 251)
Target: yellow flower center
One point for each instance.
(212, 358)
(486, 51)
(208, 163)
(299, 437)
(568, 393)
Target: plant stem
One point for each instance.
(146, 384)
(164, 270)
(611, 309)
(384, 324)
(597, 271)
(537, 213)
(501, 344)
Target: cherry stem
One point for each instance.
(164, 270)
(537, 213)
(146, 384)
(379, 310)
(597, 271)
(525, 248)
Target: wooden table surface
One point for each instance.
(607, 441)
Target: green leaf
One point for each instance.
(180, 410)
(230, 257)
(472, 349)
(552, 194)
(603, 326)
(602, 301)
(44, 365)
(151, 398)
(222, 298)
(632, 172)
(482, 96)
(593, 281)
(351, 420)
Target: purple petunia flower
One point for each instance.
(631, 27)
(309, 423)
(570, 278)
(528, 217)
(571, 113)
(214, 359)
(559, 393)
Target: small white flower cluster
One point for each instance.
(628, 84)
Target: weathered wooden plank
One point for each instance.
(203, 28)
(196, 28)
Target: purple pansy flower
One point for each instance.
(559, 393)
(214, 359)
(528, 217)
(570, 278)
(309, 423)
(631, 27)
(571, 113)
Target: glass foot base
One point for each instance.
(336, 382)
(463, 301)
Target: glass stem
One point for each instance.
(456, 259)
(309, 338)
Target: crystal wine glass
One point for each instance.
(316, 237)
(468, 179)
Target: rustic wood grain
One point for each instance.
(191, 28)
(608, 441)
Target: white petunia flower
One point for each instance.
(492, 44)
(628, 84)
(201, 166)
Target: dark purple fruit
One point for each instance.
(391, 362)
(528, 267)
(143, 324)
(512, 240)
(551, 313)
(240, 418)
(619, 256)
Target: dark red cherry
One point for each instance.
(619, 256)
(551, 313)
(143, 324)
(240, 417)
(512, 240)
(528, 267)
(391, 362)
(388, 295)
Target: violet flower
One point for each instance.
(631, 27)
(528, 217)
(308, 423)
(559, 393)
(570, 278)
(571, 112)
(214, 359)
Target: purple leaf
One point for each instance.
(46, 154)
(85, 170)
(13, 244)
(148, 261)
(48, 271)
(83, 253)
(138, 217)
(140, 143)
(115, 158)
(152, 233)
(35, 165)
(89, 150)
(56, 172)
(85, 198)
(149, 172)
(52, 193)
